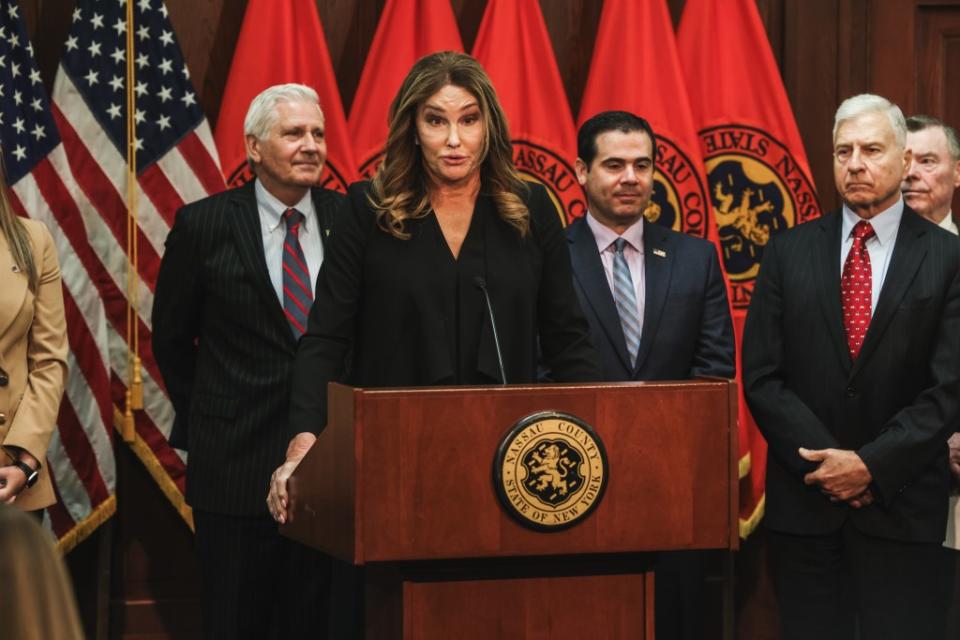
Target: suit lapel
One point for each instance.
(321, 206)
(250, 246)
(908, 254)
(657, 266)
(588, 270)
(826, 259)
(13, 288)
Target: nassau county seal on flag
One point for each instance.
(678, 198)
(757, 191)
(539, 164)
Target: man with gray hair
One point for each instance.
(934, 172)
(234, 290)
(851, 360)
(928, 189)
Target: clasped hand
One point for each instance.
(841, 475)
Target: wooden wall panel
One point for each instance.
(937, 55)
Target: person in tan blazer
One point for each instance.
(33, 352)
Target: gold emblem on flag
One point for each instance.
(679, 200)
(757, 190)
(540, 164)
(550, 471)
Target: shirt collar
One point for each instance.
(605, 236)
(948, 223)
(885, 223)
(272, 210)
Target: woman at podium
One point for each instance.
(446, 269)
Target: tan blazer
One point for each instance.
(33, 358)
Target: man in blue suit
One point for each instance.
(655, 300)
(679, 325)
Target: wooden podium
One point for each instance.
(401, 481)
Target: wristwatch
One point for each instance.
(32, 474)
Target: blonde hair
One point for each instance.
(38, 601)
(15, 233)
(401, 190)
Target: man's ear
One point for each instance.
(252, 146)
(580, 167)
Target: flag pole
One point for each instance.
(134, 394)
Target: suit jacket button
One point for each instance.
(4, 378)
(3, 418)
(851, 392)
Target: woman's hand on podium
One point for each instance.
(277, 498)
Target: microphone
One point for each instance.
(482, 285)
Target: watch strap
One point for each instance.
(31, 473)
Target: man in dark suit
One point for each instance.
(655, 301)
(851, 361)
(235, 286)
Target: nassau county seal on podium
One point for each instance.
(550, 471)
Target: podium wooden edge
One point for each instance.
(319, 467)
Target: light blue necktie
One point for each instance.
(625, 295)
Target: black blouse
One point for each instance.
(391, 312)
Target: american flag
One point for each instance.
(80, 457)
(79, 184)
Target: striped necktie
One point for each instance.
(297, 294)
(625, 295)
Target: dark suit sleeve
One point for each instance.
(176, 319)
(564, 333)
(785, 420)
(322, 351)
(917, 433)
(714, 354)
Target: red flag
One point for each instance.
(298, 53)
(757, 171)
(408, 30)
(514, 47)
(640, 31)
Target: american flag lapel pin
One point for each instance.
(660, 253)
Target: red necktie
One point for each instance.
(856, 288)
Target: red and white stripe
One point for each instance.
(79, 190)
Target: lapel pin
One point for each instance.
(327, 231)
(660, 253)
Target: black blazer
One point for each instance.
(379, 296)
(687, 331)
(225, 349)
(895, 406)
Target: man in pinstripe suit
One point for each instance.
(234, 287)
(851, 360)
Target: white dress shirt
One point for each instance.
(948, 224)
(632, 252)
(274, 230)
(880, 247)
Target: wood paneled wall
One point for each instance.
(827, 50)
